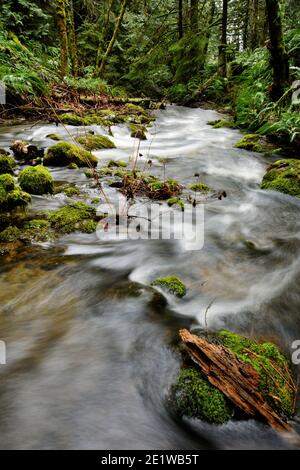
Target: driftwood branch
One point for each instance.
(237, 380)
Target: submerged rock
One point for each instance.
(7, 164)
(25, 151)
(283, 176)
(36, 180)
(11, 196)
(171, 283)
(95, 142)
(64, 153)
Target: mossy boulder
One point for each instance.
(53, 137)
(253, 143)
(172, 284)
(95, 142)
(219, 123)
(36, 180)
(9, 235)
(7, 164)
(199, 188)
(11, 196)
(72, 191)
(72, 119)
(138, 132)
(74, 217)
(193, 396)
(64, 153)
(283, 176)
(73, 166)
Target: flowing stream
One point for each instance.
(89, 354)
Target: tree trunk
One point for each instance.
(114, 37)
(194, 15)
(180, 19)
(246, 25)
(223, 45)
(210, 22)
(72, 38)
(63, 35)
(279, 56)
(104, 36)
(253, 24)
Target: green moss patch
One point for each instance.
(138, 131)
(117, 164)
(95, 142)
(175, 201)
(9, 235)
(283, 176)
(74, 217)
(219, 123)
(253, 143)
(193, 396)
(64, 153)
(11, 196)
(36, 180)
(172, 284)
(72, 119)
(200, 188)
(53, 137)
(272, 366)
(72, 191)
(7, 164)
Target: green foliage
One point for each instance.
(9, 235)
(188, 56)
(287, 126)
(63, 154)
(36, 180)
(283, 176)
(72, 191)
(171, 283)
(195, 397)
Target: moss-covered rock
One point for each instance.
(7, 165)
(11, 196)
(36, 180)
(283, 176)
(138, 132)
(9, 235)
(172, 284)
(200, 188)
(219, 123)
(272, 366)
(73, 166)
(54, 137)
(74, 217)
(252, 142)
(72, 191)
(95, 142)
(193, 396)
(176, 201)
(64, 153)
(72, 119)
(117, 164)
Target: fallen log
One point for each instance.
(237, 380)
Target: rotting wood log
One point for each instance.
(238, 380)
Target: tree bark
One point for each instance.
(72, 38)
(180, 19)
(63, 35)
(113, 39)
(194, 15)
(276, 45)
(223, 46)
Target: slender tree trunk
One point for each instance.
(72, 38)
(180, 19)
(104, 36)
(246, 25)
(210, 22)
(279, 56)
(114, 37)
(63, 35)
(253, 25)
(194, 15)
(223, 45)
